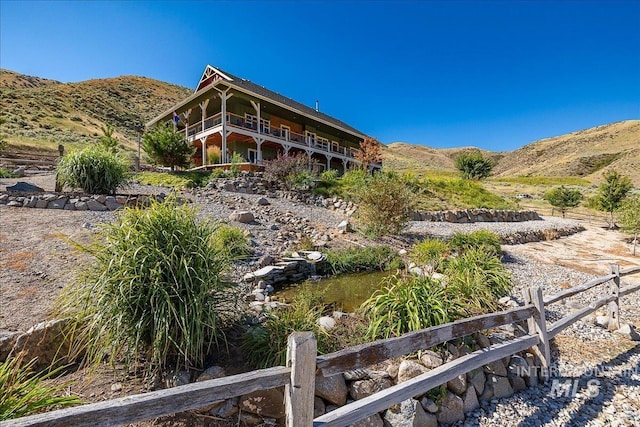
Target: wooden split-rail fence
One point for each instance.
(303, 364)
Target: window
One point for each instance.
(265, 126)
(311, 138)
(250, 121)
(285, 132)
(253, 155)
(335, 146)
(323, 143)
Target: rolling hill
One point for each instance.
(38, 114)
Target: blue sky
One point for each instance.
(492, 74)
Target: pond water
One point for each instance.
(347, 291)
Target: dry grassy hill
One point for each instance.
(422, 159)
(38, 114)
(587, 153)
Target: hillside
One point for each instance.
(587, 153)
(38, 114)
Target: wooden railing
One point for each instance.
(303, 364)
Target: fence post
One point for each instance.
(298, 393)
(613, 309)
(538, 325)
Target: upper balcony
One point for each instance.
(283, 136)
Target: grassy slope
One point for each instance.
(39, 114)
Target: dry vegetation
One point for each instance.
(38, 114)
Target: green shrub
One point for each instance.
(265, 345)
(408, 304)
(164, 146)
(232, 242)
(177, 179)
(94, 170)
(285, 168)
(481, 239)
(369, 258)
(473, 165)
(5, 173)
(384, 205)
(24, 393)
(154, 294)
(430, 252)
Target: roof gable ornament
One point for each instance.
(210, 76)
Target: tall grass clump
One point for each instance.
(265, 345)
(408, 304)
(478, 278)
(94, 169)
(23, 392)
(481, 239)
(154, 293)
(370, 258)
(431, 253)
(232, 242)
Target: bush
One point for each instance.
(164, 146)
(481, 239)
(175, 179)
(384, 205)
(232, 242)
(369, 258)
(430, 252)
(266, 345)
(285, 168)
(154, 293)
(5, 173)
(473, 165)
(24, 393)
(94, 170)
(563, 198)
(214, 154)
(408, 304)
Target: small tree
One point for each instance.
(384, 204)
(473, 165)
(167, 147)
(563, 198)
(107, 140)
(630, 218)
(370, 152)
(612, 192)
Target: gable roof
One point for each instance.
(212, 74)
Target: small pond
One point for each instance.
(347, 291)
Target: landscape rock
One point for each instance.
(211, 373)
(326, 323)
(470, 400)
(19, 173)
(363, 388)
(319, 408)
(477, 379)
(333, 389)
(500, 386)
(409, 369)
(371, 421)
(628, 331)
(45, 342)
(95, 205)
(429, 405)
(409, 413)
(451, 409)
(430, 359)
(244, 217)
(496, 368)
(25, 186)
(7, 341)
(266, 403)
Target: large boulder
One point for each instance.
(363, 388)
(430, 359)
(371, 421)
(7, 341)
(451, 409)
(500, 385)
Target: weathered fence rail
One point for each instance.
(303, 364)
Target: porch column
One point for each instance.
(344, 165)
(224, 96)
(329, 161)
(203, 113)
(256, 106)
(309, 153)
(186, 115)
(258, 142)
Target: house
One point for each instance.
(228, 116)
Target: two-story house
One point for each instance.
(228, 115)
